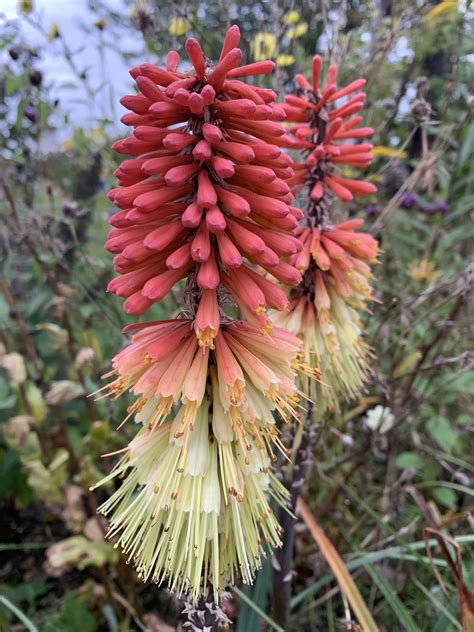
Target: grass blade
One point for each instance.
(339, 569)
(393, 552)
(438, 605)
(392, 599)
(257, 609)
(249, 619)
(29, 625)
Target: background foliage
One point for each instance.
(395, 462)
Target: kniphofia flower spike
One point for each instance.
(205, 198)
(335, 259)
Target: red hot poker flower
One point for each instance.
(206, 194)
(205, 197)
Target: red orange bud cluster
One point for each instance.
(343, 254)
(206, 195)
(321, 130)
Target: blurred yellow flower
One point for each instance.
(98, 135)
(442, 7)
(100, 24)
(179, 26)
(291, 17)
(264, 45)
(423, 271)
(298, 31)
(285, 60)
(25, 6)
(140, 6)
(68, 145)
(388, 152)
(53, 32)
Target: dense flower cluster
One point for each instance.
(334, 261)
(194, 502)
(205, 198)
(207, 188)
(320, 131)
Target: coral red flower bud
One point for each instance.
(212, 133)
(202, 151)
(223, 167)
(257, 68)
(158, 287)
(267, 259)
(206, 193)
(236, 107)
(137, 304)
(180, 257)
(177, 142)
(234, 203)
(192, 216)
(208, 275)
(165, 235)
(286, 273)
(196, 103)
(244, 238)
(228, 251)
(172, 60)
(181, 174)
(201, 245)
(151, 200)
(237, 151)
(230, 61)
(215, 219)
(195, 54)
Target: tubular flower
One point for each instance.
(324, 310)
(205, 195)
(324, 132)
(205, 198)
(194, 504)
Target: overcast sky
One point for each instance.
(69, 15)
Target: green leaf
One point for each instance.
(74, 616)
(12, 478)
(445, 497)
(442, 432)
(407, 460)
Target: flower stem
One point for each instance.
(304, 440)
